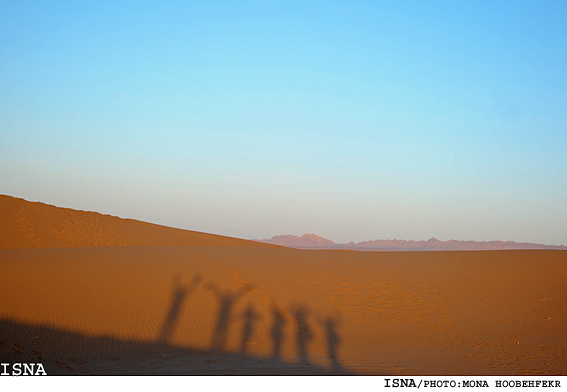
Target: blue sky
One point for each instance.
(351, 120)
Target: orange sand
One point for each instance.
(88, 293)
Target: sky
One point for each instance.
(356, 120)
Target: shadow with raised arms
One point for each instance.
(180, 294)
(227, 300)
(64, 352)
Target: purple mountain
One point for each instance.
(312, 241)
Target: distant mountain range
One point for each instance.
(312, 241)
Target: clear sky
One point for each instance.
(353, 120)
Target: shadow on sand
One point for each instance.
(180, 294)
(227, 299)
(68, 353)
(64, 352)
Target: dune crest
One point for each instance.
(37, 225)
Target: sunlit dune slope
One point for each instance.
(501, 312)
(25, 224)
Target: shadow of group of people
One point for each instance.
(227, 299)
(304, 336)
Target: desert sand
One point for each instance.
(86, 293)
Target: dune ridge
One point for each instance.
(38, 225)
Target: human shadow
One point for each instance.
(277, 330)
(227, 300)
(250, 316)
(180, 294)
(64, 352)
(303, 335)
(333, 340)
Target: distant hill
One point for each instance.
(312, 241)
(305, 241)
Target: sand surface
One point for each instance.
(86, 293)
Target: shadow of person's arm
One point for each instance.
(215, 289)
(250, 314)
(193, 285)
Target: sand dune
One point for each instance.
(38, 225)
(218, 305)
